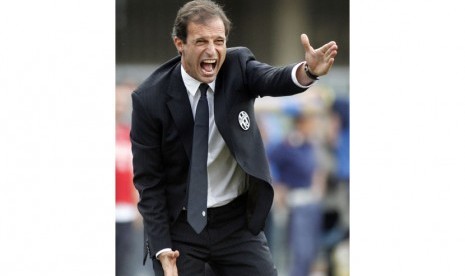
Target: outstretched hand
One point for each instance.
(320, 60)
(168, 262)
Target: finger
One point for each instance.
(327, 46)
(176, 254)
(330, 63)
(331, 53)
(305, 42)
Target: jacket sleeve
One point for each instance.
(266, 80)
(148, 175)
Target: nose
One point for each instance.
(210, 48)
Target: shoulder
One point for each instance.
(153, 92)
(237, 57)
(239, 53)
(159, 78)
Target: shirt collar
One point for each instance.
(192, 85)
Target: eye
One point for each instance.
(219, 42)
(200, 42)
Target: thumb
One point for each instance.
(305, 42)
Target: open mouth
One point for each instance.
(208, 65)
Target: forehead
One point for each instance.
(213, 27)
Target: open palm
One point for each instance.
(320, 60)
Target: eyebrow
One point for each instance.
(204, 38)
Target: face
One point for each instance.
(205, 49)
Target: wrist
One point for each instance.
(309, 74)
(158, 254)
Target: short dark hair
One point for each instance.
(198, 11)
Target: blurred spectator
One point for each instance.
(300, 186)
(268, 230)
(125, 208)
(336, 215)
(339, 138)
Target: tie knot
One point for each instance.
(203, 89)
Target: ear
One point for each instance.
(178, 44)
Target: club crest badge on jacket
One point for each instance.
(244, 120)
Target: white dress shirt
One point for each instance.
(226, 179)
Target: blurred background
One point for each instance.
(306, 136)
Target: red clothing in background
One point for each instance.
(124, 187)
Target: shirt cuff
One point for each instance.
(161, 251)
(294, 76)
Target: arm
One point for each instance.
(266, 80)
(280, 195)
(148, 175)
(276, 161)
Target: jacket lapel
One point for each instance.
(181, 110)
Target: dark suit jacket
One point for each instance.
(162, 129)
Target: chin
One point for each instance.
(208, 79)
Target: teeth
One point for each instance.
(209, 61)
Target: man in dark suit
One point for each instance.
(204, 201)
